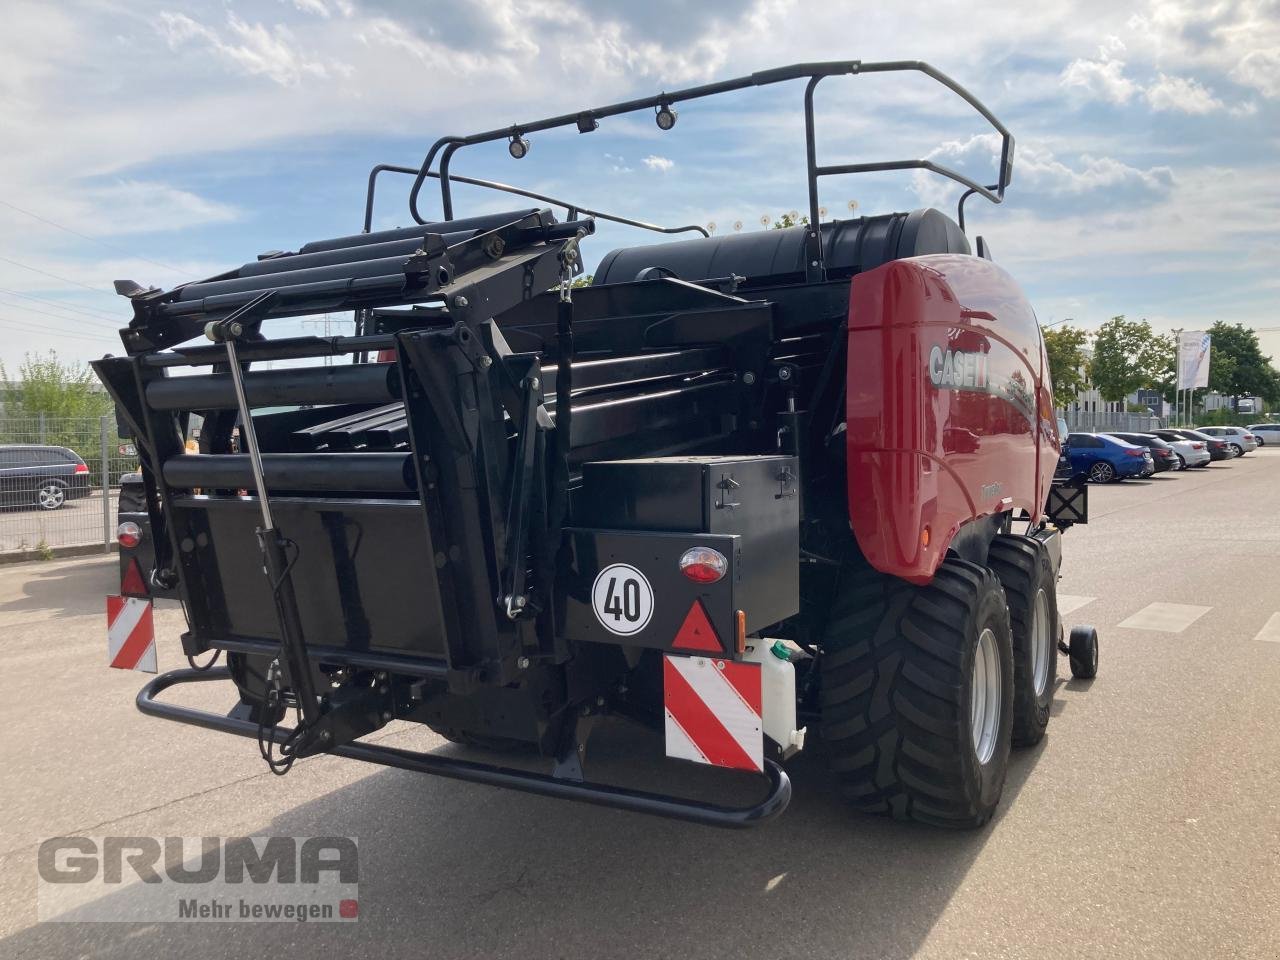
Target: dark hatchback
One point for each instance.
(38, 476)
(1218, 449)
(1162, 455)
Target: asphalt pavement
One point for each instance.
(1147, 824)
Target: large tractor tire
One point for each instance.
(1023, 566)
(917, 693)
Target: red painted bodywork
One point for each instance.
(933, 456)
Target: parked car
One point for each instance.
(1191, 453)
(1103, 458)
(1265, 433)
(1065, 470)
(39, 476)
(1162, 454)
(1240, 440)
(1218, 449)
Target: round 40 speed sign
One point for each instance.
(622, 599)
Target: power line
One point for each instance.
(6, 326)
(56, 277)
(23, 328)
(85, 236)
(86, 323)
(95, 314)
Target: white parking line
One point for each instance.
(1270, 631)
(1067, 603)
(1166, 617)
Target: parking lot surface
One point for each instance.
(1147, 824)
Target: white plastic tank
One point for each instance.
(777, 690)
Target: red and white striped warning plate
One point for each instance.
(713, 711)
(131, 635)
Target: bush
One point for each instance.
(1225, 418)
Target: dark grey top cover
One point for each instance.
(849, 246)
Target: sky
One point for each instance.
(164, 141)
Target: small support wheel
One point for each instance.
(1083, 651)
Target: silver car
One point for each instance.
(1240, 440)
(1192, 453)
(1265, 433)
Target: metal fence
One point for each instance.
(1098, 421)
(59, 483)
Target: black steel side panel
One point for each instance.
(656, 555)
(755, 498)
(364, 572)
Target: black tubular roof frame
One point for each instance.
(574, 209)
(586, 120)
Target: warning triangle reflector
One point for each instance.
(133, 584)
(696, 633)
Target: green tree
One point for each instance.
(1126, 356)
(1164, 365)
(57, 403)
(47, 386)
(1237, 366)
(1065, 349)
(787, 220)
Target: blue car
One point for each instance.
(1103, 458)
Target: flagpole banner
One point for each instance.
(1193, 359)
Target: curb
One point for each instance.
(57, 553)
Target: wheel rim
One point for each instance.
(1040, 642)
(51, 496)
(984, 696)
(1100, 472)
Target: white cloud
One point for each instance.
(1122, 242)
(252, 47)
(312, 6)
(661, 164)
(1181, 94)
(1103, 78)
(1260, 69)
(138, 206)
(618, 164)
(1037, 169)
(1240, 39)
(114, 209)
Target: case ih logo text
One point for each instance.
(955, 368)
(198, 878)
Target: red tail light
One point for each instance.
(1133, 453)
(82, 468)
(703, 565)
(129, 534)
(1197, 446)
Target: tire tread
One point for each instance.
(893, 698)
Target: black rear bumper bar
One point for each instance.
(636, 801)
